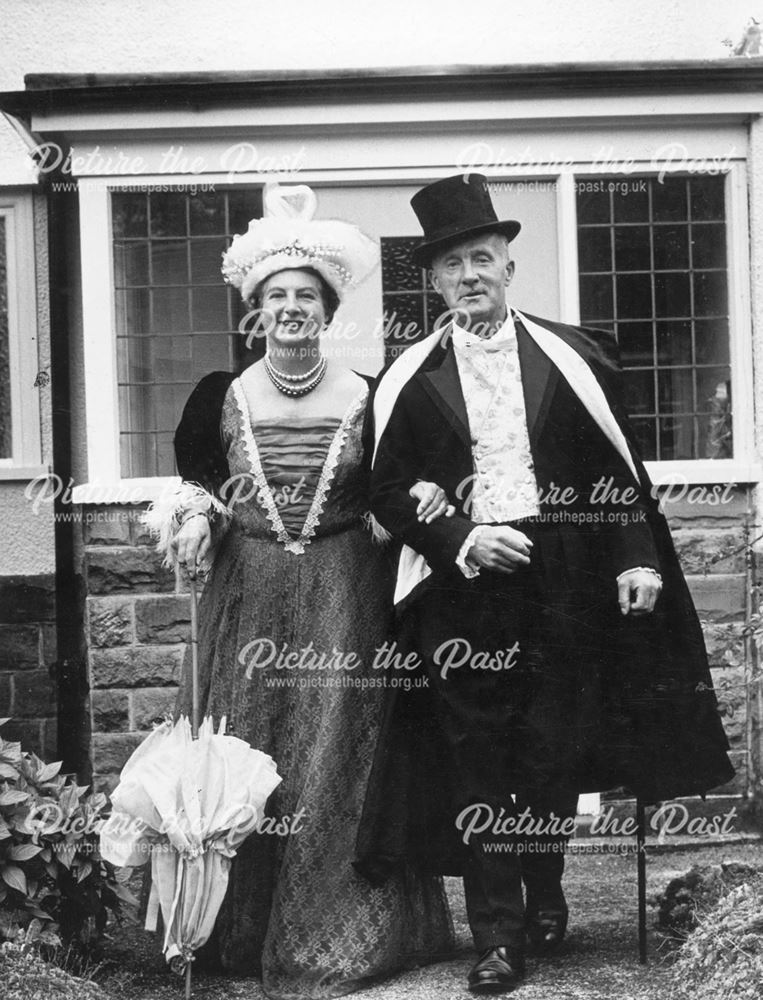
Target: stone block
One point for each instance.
(19, 647)
(27, 599)
(127, 571)
(719, 551)
(110, 621)
(34, 694)
(139, 533)
(719, 597)
(110, 711)
(106, 525)
(111, 750)
(28, 732)
(163, 619)
(151, 705)
(703, 505)
(136, 666)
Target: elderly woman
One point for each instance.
(293, 615)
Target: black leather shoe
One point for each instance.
(546, 924)
(499, 970)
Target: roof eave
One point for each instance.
(47, 93)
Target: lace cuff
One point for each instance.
(640, 569)
(469, 571)
(165, 516)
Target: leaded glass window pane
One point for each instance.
(652, 260)
(411, 306)
(175, 319)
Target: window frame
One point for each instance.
(100, 356)
(745, 466)
(25, 461)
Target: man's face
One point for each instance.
(473, 277)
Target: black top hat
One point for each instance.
(453, 209)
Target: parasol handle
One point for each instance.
(194, 660)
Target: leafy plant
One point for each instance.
(723, 958)
(54, 886)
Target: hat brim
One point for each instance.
(422, 254)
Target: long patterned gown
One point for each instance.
(297, 573)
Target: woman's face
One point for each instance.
(293, 308)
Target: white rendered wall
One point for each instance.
(110, 36)
(80, 36)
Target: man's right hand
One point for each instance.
(500, 548)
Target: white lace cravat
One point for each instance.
(504, 486)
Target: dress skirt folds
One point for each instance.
(290, 620)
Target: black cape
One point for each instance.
(659, 734)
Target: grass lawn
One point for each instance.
(598, 961)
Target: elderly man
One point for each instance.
(559, 644)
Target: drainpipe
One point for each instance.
(70, 668)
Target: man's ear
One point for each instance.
(433, 280)
(509, 272)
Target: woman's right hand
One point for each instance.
(192, 544)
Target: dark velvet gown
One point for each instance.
(297, 603)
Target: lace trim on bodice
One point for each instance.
(265, 494)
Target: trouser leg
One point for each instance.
(542, 854)
(479, 698)
(493, 891)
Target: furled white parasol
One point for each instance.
(188, 797)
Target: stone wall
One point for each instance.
(712, 540)
(138, 620)
(28, 662)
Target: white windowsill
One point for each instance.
(22, 473)
(124, 491)
(705, 472)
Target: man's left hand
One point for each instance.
(637, 592)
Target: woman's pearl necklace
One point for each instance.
(295, 378)
(296, 385)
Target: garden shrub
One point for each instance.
(689, 897)
(54, 885)
(723, 958)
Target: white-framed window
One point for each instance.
(137, 271)
(20, 454)
(660, 262)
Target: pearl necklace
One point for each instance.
(296, 385)
(295, 378)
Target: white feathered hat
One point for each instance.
(288, 237)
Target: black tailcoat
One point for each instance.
(600, 700)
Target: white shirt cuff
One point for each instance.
(469, 571)
(642, 569)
